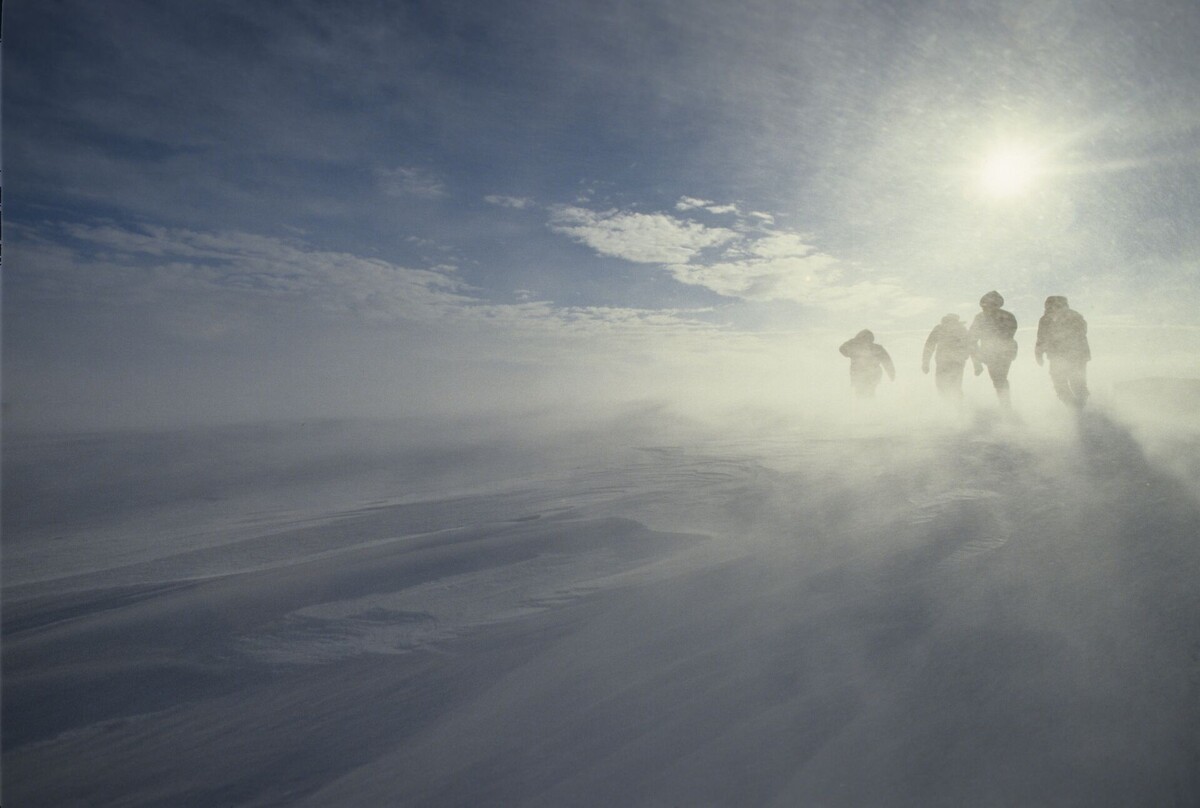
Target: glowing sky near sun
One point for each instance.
(310, 200)
(1009, 170)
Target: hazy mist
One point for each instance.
(440, 403)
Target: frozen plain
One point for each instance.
(641, 611)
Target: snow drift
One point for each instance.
(642, 612)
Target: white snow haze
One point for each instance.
(440, 403)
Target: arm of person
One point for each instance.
(973, 345)
(885, 359)
(930, 344)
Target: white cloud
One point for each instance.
(687, 203)
(338, 332)
(181, 269)
(691, 203)
(795, 278)
(214, 285)
(409, 181)
(781, 267)
(783, 245)
(517, 202)
(210, 285)
(646, 238)
(760, 265)
(873, 297)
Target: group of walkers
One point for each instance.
(989, 342)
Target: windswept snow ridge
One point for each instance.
(995, 614)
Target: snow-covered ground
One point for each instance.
(643, 611)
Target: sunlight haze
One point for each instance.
(601, 403)
(228, 212)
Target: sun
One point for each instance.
(1009, 171)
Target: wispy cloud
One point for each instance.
(258, 273)
(645, 238)
(517, 202)
(409, 181)
(207, 285)
(179, 269)
(687, 203)
(758, 262)
(691, 203)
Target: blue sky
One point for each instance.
(238, 209)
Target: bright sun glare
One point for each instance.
(1008, 171)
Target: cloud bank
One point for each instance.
(644, 238)
(754, 260)
(139, 326)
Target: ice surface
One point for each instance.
(636, 613)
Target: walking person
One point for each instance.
(868, 361)
(992, 343)
(1062, 335)
(948, 342)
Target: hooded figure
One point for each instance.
(951, 344)
(1062, 335)
(992, 343)
(868, 361)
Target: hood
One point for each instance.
(1056, 303)
(951, 319)
(865, 336)
(992, 299)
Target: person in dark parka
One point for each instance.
(992, 343)
(950, 343)
(868, 361)
(1062, 335)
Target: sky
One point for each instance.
(222, 211)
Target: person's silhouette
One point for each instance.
(1062, 335)
(950, 343)
(992, 343)
(868, 361)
